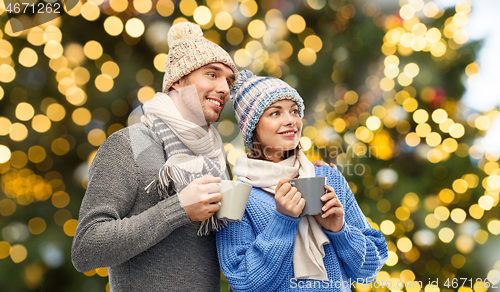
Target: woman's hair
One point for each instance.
(258, 151)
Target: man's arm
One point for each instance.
(105, 236)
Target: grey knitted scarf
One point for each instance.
(183, 173)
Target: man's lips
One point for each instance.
(216, 102)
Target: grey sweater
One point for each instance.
(148, 244)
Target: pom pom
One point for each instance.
(183, 30)
(243, 76)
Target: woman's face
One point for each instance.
(279, 128)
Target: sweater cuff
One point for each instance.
(339, 238)
(174, 212)
(282, 223)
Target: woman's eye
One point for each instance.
(274, 114)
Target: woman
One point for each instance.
(272, 248)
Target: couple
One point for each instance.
(148, 212)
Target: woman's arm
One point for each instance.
(253, 262)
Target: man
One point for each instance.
(145, 225)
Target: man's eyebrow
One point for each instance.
(213, 67)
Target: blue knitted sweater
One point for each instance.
(256, 253)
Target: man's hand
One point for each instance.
(332, 218)
(288, 201)
(200, 198)
(322, 163)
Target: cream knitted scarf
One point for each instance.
(308, 251)
(206, 144)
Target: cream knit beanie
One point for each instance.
(189, 50)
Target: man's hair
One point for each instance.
(258, 151)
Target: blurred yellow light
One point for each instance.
(407, 11)
(254, 48)
(53, 49)
(457, 130)
(482, 123)
(76, 96)
(134, 27)
(442, 213)
(145, 93)
(28, 57)
(412, 69)
(472, 180)
(82, 75)
(391, 60)
(433, 139)
(391, 71)
(407, 39)
(405, 79)
(439, 115)
(463, 6)
(339, 124)
(494, 226)
(464, 244)
(310, 131)
(103, 272)
(202, 15)
(392, 259)
(35, 37)
(423, 130)
(486, 202)
(434, 155)
(419, 30)
(373, 123)
(431, 9)
(460, 186)
(234, 36)
(446, 125)
(472, 69)
(313, 42)
(387, 84)
(6, 49)
(296, 23)
(36, 154)
(256, 28)
(460, 19)
(418, 43)
(242, 58)
(402, 213)
(90, 11)
(285, 49)
(460, 37)
(446, 196)
(70, 227)
(446, 234)
(52, 33)
(56, 112)
(111, 69)
(433, 35)
(18, 132)
(165, 7)
(5, 153)
(143, 6)
(306, 56)
(81, 116)
(24, 111)
(37, 225)
(404, 244)
(159, 62)
(187, 7)
(60, 199)
(458, 215)
(7, 73)
(387, 227)
(18, 253)
(60, 146)
(113, 25)
(96, 137)
(493, 182)
(224, 20)
(438, 49)
(412, 139)
(104, 83)
(4, 126)
(248, 8)
(420, 116)
(93, 50)
(18, 159)
(316, 4)
(306, 143)
(119, 5)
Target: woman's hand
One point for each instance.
(332, 218)
(322, 163)
(288, 200)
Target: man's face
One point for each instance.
(212, 83)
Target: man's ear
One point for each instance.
(174, 86)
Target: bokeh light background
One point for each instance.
(383, 92)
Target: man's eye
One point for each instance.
(211, 75)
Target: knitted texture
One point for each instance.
(188, 51)
(256, 253)
(252, 95)
(148, 243)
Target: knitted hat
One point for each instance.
(252, 95)
(189, 50)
